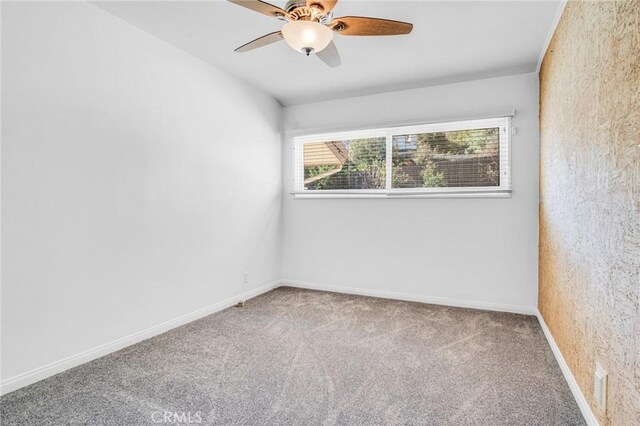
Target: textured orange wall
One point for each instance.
(589, 290)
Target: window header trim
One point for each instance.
(306, 132)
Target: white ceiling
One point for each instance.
(451, 41)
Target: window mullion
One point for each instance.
(389, 161)
(298, 158)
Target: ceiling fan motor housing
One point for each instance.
(299, 11)
(294, 4)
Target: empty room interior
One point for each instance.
(320, 212)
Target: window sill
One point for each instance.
(399, 195)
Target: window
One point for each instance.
(345, 164)
(445, 159)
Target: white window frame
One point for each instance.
(502, 191)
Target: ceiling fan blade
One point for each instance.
(260, 42)
(326, 5)
(330, 56)
(363, 26)
(262, 7)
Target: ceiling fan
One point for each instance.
(310, 27)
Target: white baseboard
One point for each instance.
(568, 375)
(40, 373)
(461, 303)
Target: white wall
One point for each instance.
(138, 183)
(482, 251)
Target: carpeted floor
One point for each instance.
(305, 357)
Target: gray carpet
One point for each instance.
(314, 358)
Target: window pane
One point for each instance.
(345, 164)
(463, 158)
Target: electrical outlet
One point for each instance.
(245, 277)
(600, 387)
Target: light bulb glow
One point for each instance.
(308, 35)
(301, 35)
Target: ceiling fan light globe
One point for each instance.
(304, 35)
